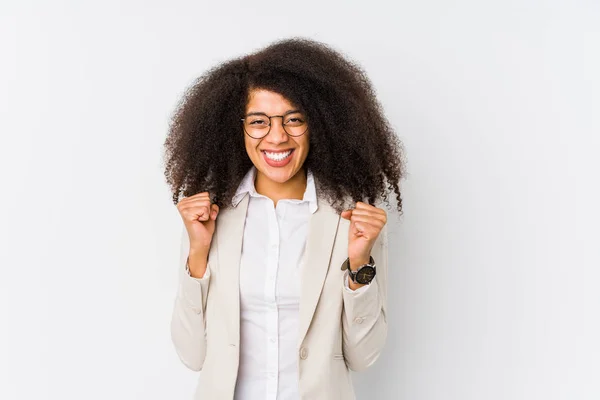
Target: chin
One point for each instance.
(279, 176)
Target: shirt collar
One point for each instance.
(247, 186)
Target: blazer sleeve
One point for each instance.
(188, 319)
(364, 316)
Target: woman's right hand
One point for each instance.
(199, 217)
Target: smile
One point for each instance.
(278, 159)
(278, 156)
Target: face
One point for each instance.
(268, 154)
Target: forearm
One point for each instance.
(364, 315)
(188, 331)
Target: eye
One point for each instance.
(258, 121)
(295, 120)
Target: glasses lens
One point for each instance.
(295, 124)
(256, 126)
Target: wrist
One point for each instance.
(354, 285)
(357, 262)
(361, 271)
(197, 263)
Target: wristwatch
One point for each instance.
(364, 274)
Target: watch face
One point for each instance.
(365, 275)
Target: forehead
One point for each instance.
(261, 100)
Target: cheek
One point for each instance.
(250, 146)
(306, 144)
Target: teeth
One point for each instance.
(278, 156)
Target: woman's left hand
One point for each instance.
(366, 222)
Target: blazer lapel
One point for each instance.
(319, 244)
(229, 233)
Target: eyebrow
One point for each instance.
(263, 113)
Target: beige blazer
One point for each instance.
(339, 330)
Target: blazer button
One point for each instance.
(303, 353)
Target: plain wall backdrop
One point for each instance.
(494, 266)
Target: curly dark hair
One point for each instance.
(354, 154)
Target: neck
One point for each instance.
(293, 188)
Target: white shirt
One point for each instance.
(273, 250)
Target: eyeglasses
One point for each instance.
(258, 125)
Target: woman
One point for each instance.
(280, 156)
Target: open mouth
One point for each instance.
(278, 156)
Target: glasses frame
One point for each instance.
(271, 124)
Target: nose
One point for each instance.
(277, 134)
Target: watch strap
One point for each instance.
(346, 264)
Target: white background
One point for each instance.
(494, 290)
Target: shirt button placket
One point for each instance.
(273, 314)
